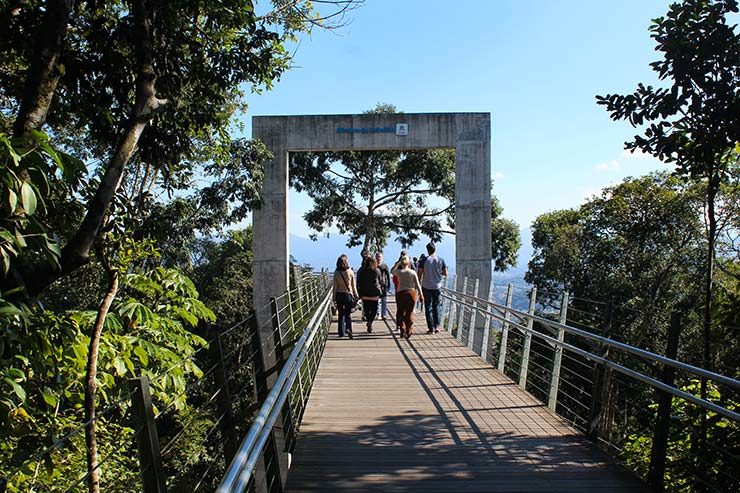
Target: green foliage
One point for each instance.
(148, 332)
(224, 276)
(32, 172)
(205, 58)
(638, 246)
(369, 195)
(505, 239)
(683, 468)
(695, 121)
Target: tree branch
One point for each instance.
(77, 251)
(388, 198)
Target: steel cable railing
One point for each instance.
(240, 472)
(592, 380)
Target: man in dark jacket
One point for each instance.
(385, 284)
(368, 287)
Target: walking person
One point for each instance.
(418, 264)
(385, 284)
(368, 285)
(409, 289)
(344, 293)
(432, 272)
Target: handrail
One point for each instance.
(618, 345)
(731, 382)
(240, 470)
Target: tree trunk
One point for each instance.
(77, 251)
(90, 383)
(369, 235)
(712, 190)
(43, 73)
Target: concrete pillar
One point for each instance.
(271, 254)
(473, 197)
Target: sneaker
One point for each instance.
(349, 333)
(383, 317)
(430, 331)
(436, 331)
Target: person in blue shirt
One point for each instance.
(432, 273)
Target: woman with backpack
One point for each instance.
(369, 287)
(344, 294)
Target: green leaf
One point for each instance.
(28, 198)
(10, 310)
(52, 246)
(12, 201)
(143, 356)
(49, 398)
(20, 241)
(129, 365)
(119, 366)
(17, 389)
(23, 359)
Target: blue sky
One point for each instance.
(534, 65)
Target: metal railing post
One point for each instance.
(277, 336)
(461, 313)
(473, 312)
(601, 385)
(224, 403)
(150, 457)
(299, 287)
(486, 348)
(443, 303)
(659, 450)
(557, 360)
(291, 317)
(269, 465)
(505, 329)
(526, 348)
(450, 305)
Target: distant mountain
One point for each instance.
(324, 253)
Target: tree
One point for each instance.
(370, 195)
(505, 238)
(637, 246)
(694, 123)
(139, 84)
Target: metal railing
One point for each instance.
(288, 397)
(643, 407)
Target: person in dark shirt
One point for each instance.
(368, 286)
(385, 284)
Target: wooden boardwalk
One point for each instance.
(428, 415)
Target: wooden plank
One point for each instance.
(387, 414)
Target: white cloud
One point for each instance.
(498, 175)
(608, 166)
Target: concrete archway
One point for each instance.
(468, 133)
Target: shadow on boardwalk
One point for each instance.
(387, 414)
